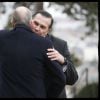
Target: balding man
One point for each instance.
(24, 64)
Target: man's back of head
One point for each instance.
(21, 15)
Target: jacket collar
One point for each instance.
(23, 26)
(50, 37)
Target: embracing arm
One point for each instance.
(71, 72)
(55, 79)
(64, 60)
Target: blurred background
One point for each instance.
(76, 23)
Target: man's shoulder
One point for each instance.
(4, 32)
(42, 41)
(57, 39)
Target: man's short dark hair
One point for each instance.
(46, 14)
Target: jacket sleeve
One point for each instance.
(55, 78)
(71, 72)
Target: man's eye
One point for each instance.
(42, 27)
(36, 23)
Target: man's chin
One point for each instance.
(38, 34)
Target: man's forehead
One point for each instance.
(41, 16)
(42, 19)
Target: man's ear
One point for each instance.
(30, 22)
(50, 30)
(12, 22)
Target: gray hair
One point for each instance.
(21, 15)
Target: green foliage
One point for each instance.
(91, 16)
(91, 7)
(76, 60)
(89, 91)
(9, 25)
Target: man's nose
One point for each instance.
(37, 28)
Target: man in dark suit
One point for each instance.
(23, 61)
(42, 24)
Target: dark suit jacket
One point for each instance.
(24, 64)
(71, 73)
